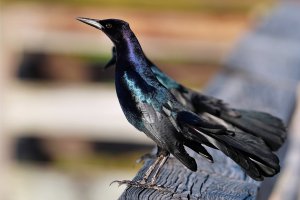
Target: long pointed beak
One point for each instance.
(92, 22)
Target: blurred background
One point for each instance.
(63, 135)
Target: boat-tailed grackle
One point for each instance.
(151, 107)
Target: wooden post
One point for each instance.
(261, 74)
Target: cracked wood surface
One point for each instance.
(254, 77)
(211, 181)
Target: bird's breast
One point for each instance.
(128, 104)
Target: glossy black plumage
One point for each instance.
(271, 129)
(149, 106)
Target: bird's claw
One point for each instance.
(120, 182)
(141, 185)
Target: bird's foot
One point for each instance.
(142, 184)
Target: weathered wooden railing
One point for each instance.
(261, 74)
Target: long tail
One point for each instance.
(271, 129)
(264, 125)
(249, 151)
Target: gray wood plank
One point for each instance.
(207, 183)
(271, 49)
(287, 187)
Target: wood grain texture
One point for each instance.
(257, 76)
(211, 181)
(287, 187)
(271, 49)
(270, 52)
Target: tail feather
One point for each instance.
(256, 162)
(251, 169)
(197, 147)
(264, 117)
(249, 151)
(181, 154)
(271, 129)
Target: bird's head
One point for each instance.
(115, 29)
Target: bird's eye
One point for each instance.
(108, 26)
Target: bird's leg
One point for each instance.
(151, 168)
(155, 175)
(143, 183)
(162, 157)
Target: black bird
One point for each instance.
(271, 129)
(151, 108)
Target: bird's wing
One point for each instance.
(176, 115)
(211, 105)
(165, 80)
(178, 91)
(270, 128)
(193, 100)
